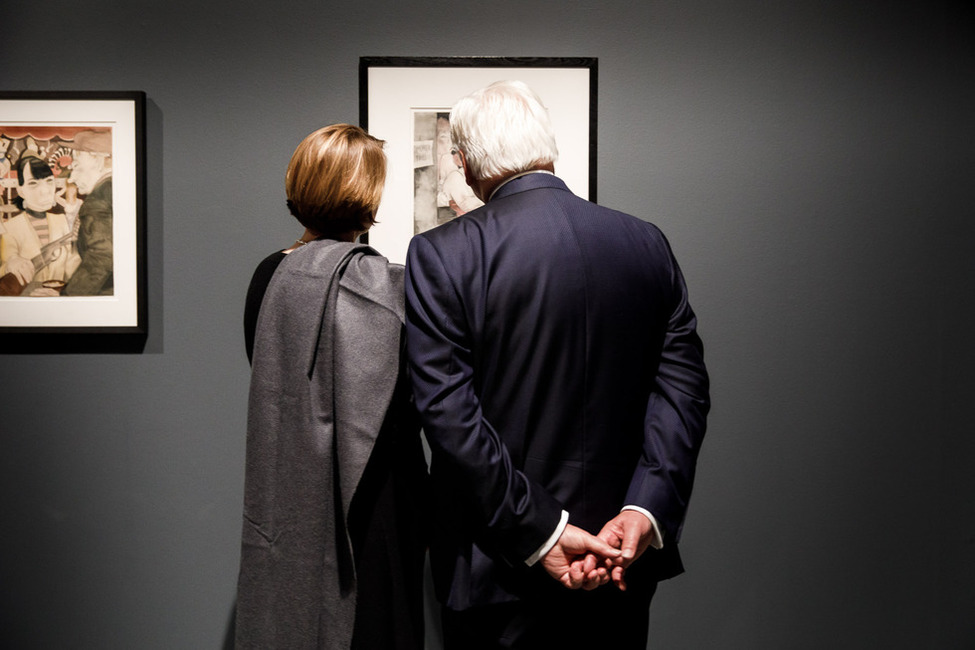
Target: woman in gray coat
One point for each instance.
(332, 548)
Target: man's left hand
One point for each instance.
(631, 532)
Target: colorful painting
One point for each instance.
(72, 212)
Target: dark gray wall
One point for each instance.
(812, 165)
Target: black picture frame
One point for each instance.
(107, 312)
(395, 92)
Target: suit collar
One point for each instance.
(528, 181)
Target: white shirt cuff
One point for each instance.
(550, 542)
(655, 540)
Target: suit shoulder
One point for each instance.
(632, 220)
(444, 240)
(633, 225)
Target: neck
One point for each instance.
(485, 188)
(346, 236)
(310, 235)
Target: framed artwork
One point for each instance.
(406, 101)
(72, 213)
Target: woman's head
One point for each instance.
(335, 180)
(35, 184)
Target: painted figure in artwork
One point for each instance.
(37, 256)
(91, 172)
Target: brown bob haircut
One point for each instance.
(335, 180)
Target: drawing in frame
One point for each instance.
(72, 214)
(406, 101)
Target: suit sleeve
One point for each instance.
(676, 419)
(514, 516)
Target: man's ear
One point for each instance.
(468, 176)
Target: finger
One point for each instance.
(618, 578)
(599, 547)
(589, 563)
(591, 582)
(602, 575)
(596, 578)
(610, 537)
(576, 576)
(631, 542)
(611, 534)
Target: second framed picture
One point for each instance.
(406, 101)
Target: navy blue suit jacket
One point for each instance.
(556, 365)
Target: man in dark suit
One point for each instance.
(562, 389)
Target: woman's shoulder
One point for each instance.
(264, 272)
(270, 263)
(369, 266)
(255, 296)
(371, 276)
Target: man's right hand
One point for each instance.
(580, 559)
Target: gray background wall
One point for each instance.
(812, 165)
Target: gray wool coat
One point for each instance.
(326, 359)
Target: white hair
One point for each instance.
(503, 129)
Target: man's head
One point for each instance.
(92, 159)
(335, 180)
(35, 184)
(503, 129)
